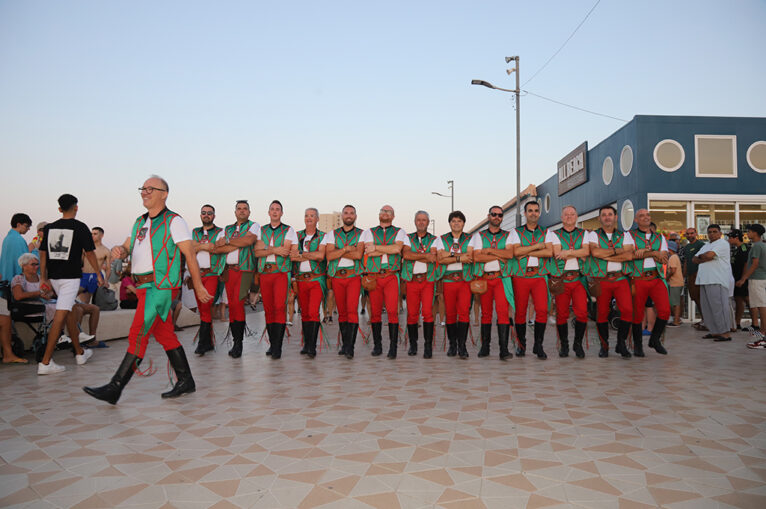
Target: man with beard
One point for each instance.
(310, 279)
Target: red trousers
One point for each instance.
(211, 285)
(236, 305)
(162, 330)
(420, 294)
(620, 290)
(346, 290)
(495, 293)
(386, 292)
(522, 288)
(310, 298)
(656, 289)
(274, 295)
(457, 301)
(574, 292)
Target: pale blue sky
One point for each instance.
(326, 103)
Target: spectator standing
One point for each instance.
(739, 255)
(755, 274)
(688, 253)
(675, 279)
(713, 278)
(14, 246)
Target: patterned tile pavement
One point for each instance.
(683, 431)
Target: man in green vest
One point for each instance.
(383, 248)
(157, 241)
(420, 271)
(530, 251)
(275, 267)
(211, 266)
(491, 255)
(310, 276)
(237, 243)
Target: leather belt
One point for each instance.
(648, 275)
(384, 272)
(612, 276)
(307, 276)
(269, 268)
(143, 278)
(455, 276)
(345, 273)
(419, 278)
(492, 275)
(532, 271)
(571, 275)
(232, 266)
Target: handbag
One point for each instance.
(224, 277)
(594, 287)
(478, 286)
(556, 285)
(369, 282)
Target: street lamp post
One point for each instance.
(451, 194)
(518, 128)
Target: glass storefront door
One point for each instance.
(705, 214)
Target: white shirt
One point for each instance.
(203, 257)
(627, 240)
(718, 270)
(649, 263)
(454, 250)
(305, 266)
(329, 239)
(141, 257)
(419, 267)
(476, 244)
(552, 238)
(232, 258)
(368, 237)
(289, 235)
(513, 238)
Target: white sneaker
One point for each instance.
(85, 337)
(63, 340)
(87, 353)
(49, 369)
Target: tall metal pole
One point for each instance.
(518, 148)
(452, 194)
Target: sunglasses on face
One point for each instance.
(206, 213)
(496, 214)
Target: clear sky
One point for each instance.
(326, 103)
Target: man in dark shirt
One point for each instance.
(739, 252)
(61, 250)
(688, 252)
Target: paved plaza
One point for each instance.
(687, 430)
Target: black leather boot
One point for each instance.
(539, 337)
(654, 340)
(623, 329)
(452, 339)
(412, 334)
(313, 335)
(462, 337)
(486, 338)
(579, 333)
(306, 328)
(112, 391)
(180, 365)
(344, 328)
(503, 332)
(563, 330)
(393, 340)
(276, 343)
(238, 335)
(205, 338)
(428, 339)
(270, 332)
(521, 336)
(377, 338)
(603, 337)
(351, 330)
(638, 340)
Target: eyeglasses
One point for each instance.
(386, 211)
(34, 263)
(496, 214)
(150, 190)
(206, 213)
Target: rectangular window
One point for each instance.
(715, 156)
(669, 216)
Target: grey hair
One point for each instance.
(316, 211)
(26, 258)
(164, 182)
(422, 212)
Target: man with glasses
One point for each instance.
(491, 255)
(157, 241)
(688, 252)
(383, 248)
(211, 266)
(237, 244)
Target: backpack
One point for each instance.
(105, 299)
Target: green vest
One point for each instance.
(597, 265)
(528, 238)
(246, 257)
(433, 270)
(343, 239)
(383, 237)
(217, 261)
(462, 247)
(494, 240)
(654, 244)
(316, 267)
(277, 235)
(166, 257)
(572, 240)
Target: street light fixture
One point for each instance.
(518, 127)
(451, 195)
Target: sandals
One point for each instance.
(721, 338)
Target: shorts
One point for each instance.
(675, 295)
(4, 307)
(89, 282)
(66, 292)
(741, 291)
(757, 288)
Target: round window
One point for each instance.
(669, 155)
(547, 203)
(607, 171)
(756, 156)
(627, 214)
(626, 160)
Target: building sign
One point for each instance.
(573, 169)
